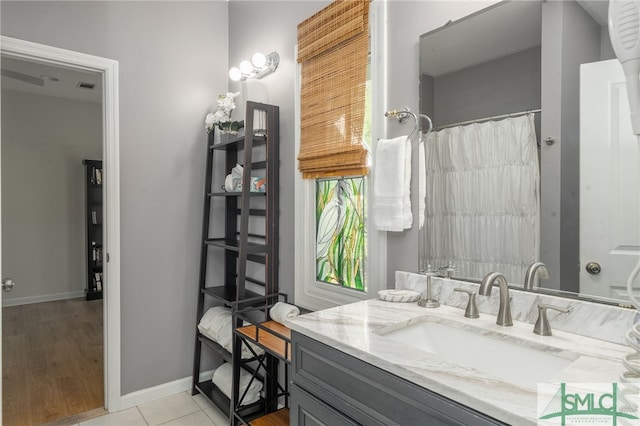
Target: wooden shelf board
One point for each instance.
(270, 341)
(277, 418)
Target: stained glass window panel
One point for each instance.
(341, 238)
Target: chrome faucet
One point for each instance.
(530, 275)
(504, 312)
(429, 301)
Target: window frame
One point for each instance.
(309, 293)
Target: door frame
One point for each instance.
(108, 68)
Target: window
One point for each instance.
(339, 256)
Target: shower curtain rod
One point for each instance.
(495, 117)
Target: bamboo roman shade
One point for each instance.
(333, 47)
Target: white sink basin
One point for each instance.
(496, 355)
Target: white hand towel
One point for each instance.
(422, 184)
(223, 377)
(391, 184)
(406, 200)
(281, 311)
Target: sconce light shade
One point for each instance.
(259, 60)
(235, 74)
(259, 67)
(246, 67)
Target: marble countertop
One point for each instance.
(358, 329)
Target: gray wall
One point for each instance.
(173, 63)
(266, 26)
(504, 85)
(44, 140)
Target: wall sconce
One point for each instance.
(259, 67)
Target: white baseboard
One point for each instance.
(39, 299)
(153, 393)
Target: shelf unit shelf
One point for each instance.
(228, 295)
(252, 248)
(259, 156)
(222, 352)
(270, 336)
(215, 395)
(238, 143)
(235, 194)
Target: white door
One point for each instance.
(609, 182)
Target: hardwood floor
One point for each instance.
(52, 356)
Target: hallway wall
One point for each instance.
(44, 140)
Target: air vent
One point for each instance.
(83, 85)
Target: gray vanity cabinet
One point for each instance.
(332, 388)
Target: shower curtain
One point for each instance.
(482, 198)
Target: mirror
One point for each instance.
(567, 193)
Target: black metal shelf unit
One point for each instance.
(238, 248)
(94, 234)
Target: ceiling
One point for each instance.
(58, 81)
(474, 42)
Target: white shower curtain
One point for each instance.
(482, 198)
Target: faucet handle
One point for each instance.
(429, 271)
(447, 270)
(542, 327)
(472, 309)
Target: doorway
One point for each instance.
(108, 74)
(53, 338)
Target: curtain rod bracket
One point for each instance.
(403, 115)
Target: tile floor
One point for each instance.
(180, 409)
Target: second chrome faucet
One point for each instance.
(504, 311)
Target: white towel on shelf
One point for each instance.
(281, 311)
(216, 324)
(391, 185)
(223, 378)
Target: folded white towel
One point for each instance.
(422, 184)
(391, 184)
(216, 324)
(223, 379)
(281, 311)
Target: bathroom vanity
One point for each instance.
(363, 363)
(331, 387)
